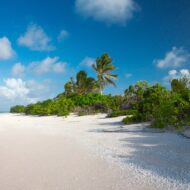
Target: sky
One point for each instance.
(44, 43)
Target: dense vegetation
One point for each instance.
(81, 104)
(163, 107)
(141, 102)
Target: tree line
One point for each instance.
(141, 102)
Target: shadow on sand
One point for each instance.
(165, 154)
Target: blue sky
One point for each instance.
(44, 43)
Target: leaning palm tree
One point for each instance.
(103, 69)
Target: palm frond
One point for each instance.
(109, 81)
(112, 76)
(94, 66)
(108, 68)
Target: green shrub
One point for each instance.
(102, 103)
(118, 113)
(172, 112)
(17, 109)
(62, 106)
(133, 119)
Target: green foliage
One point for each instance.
(120, 113)
(181, 86)
(40, 108)
(83, 104)
(82, 85)
(135, 118)
(172, 112)
(60, 107)
(17, 109)
(103, 102)
(103, 69)
(134, 95)
(152, 100)
(162, 107)
(68, 88)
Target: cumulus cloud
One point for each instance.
(36, 39)
(185, 72)
(62, 35)
(174, 74)
(6, 50)
(18, 70)
(109, 11)
(48, 65)
(14, 88)
(17, 91)
(88, 62)
(175, 58)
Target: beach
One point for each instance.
(89, 152)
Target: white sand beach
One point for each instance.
(89, 153)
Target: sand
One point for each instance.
(89, 152)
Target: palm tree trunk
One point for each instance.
(101, 89)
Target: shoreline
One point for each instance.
(135, 157)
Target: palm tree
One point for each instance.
(85, 84)
(103, 69)
(81, 85)
(91, 85)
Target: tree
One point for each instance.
(81, 82)
(91, 85)
(136, 90)
(178, 86)
(68, 88)
(17, 109)
(181, 86)
(134, 94)
(103, 69)
(82, 85)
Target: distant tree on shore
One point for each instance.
(81, 85)
(68, 88)
(103, 68)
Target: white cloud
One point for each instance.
(6, 50)
(14, 88)
(17, 91)
(177, 57)
(62, 35)
(88, 62)
(18, 70)
(109, 11)
(128, 75)
(36, 39)
(174, 74)
(48, 65)
(185, 72)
